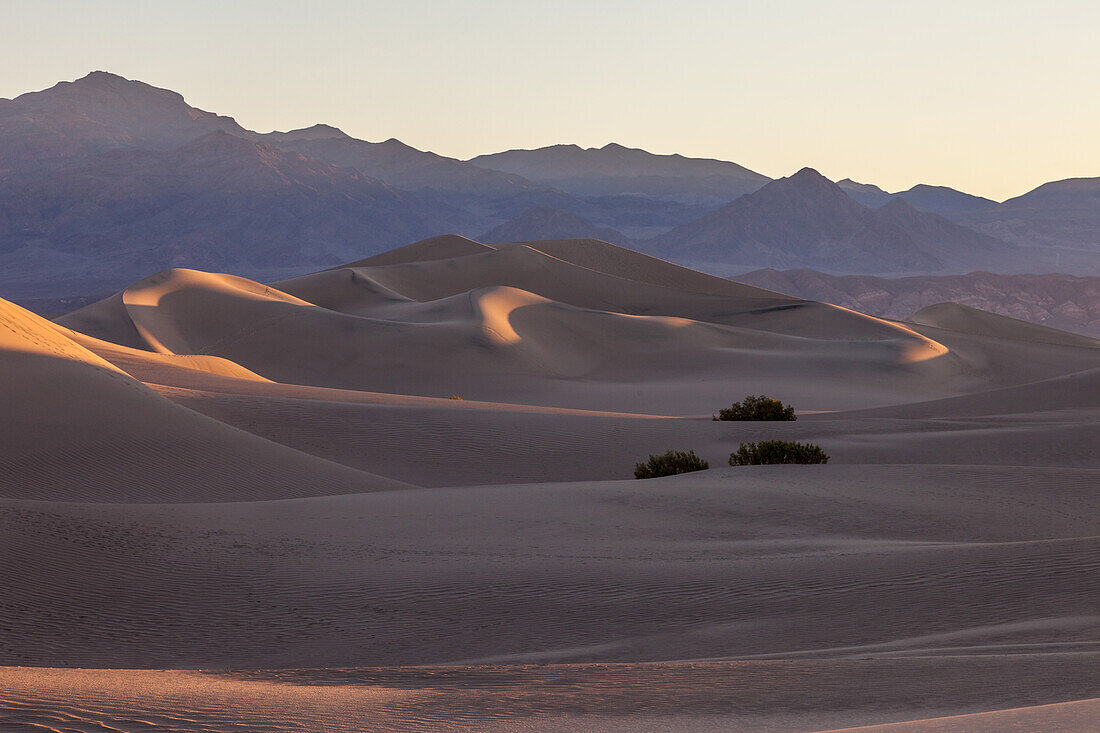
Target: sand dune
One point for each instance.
(768, 697)
(514, 321)
(78, 428)
(1068, 716)
(207, 473)
(962, 318)
(444, 246)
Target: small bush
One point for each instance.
(454, 397)
(757, 408)
(670, 464)
(777, 451)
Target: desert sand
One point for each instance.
(232, 506)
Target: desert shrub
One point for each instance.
(670, 464)
(454, 397)
(756, 407)
(777, 451)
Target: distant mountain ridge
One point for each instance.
(1062, 214)
(932, 199)
(615, 168)
(220, 201)
(97, 113)
(807, 219)
(399, 164)
(1064, 302)
(542, 223)
(104, 179)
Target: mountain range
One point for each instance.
(615, 169)
(1063, 302)
(807, 219)
(104, 179)
(933, 199)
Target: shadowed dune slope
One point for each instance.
(964, 319)
(76, 427)
(1078, 391)
(632, 265)
(445, 246)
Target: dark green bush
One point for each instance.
(777, 451)
(670, 464)
(757, 408)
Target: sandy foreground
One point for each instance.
(226, 506)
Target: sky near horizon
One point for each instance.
(993, 98)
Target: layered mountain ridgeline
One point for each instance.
(1064, 302)
(614, 169)
(807, 219)
(400, 165)
(1063, 216)
(105, 179)
(933, 199)
(100, 112)
(221, 202)
(1056, 226)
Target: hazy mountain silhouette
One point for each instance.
(1060, 214)
(105, 179)
(543, 223)
(807, 220)
(943, 200)
(220, 202)
(867, 194)
(1059, 301)
(401, 165)
(98, 112)
(932, 199)
(615, 169)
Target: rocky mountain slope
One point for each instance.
(1064, 302)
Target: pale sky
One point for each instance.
(992, 97)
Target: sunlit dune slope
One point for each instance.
(78, 428)
(692, 697)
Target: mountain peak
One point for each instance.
(319, 131)
(101, 78)
(105, 87)
(103, 111)
(804, 182)
(808, 173)
(322, 129)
